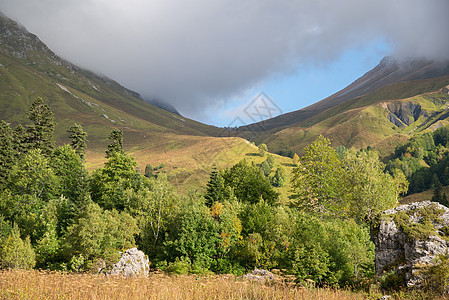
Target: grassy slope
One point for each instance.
(363, 121)
(152, 135)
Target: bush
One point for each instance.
(436, 277)
(16, 253)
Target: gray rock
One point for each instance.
(259, 275)
(395, 250)
(132, 263)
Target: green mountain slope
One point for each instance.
(28, 69)
(387, 105)
(188, 149)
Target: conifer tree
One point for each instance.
(117, 143)
(40, 133)
(79, 139)
(21, 144)
(7, 156)
(437, 195)
(215, 188)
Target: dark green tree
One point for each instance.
(265, 168)
(21, 139)
(40, 133)
(437, 190)
(7, 155)
(148, 170)
(278, 178)
(215, 188)
(73, 177)
(249, 183)
(117, 143)
(79, 139)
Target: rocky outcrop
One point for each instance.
(132, 263)
(403, 114)
(259, 275)
(410, 237)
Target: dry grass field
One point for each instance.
(20, 284)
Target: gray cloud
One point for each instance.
(196, 54)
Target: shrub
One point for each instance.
(16, 253)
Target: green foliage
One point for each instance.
(265, 168)
(354, 185)
(262, 149)
(370, 190)
(117, 143)
(155, 211)
(195, 236)
(317, 180)
(40, 133)
(98, 234)
(111, 184)
(215, 190)
(249, 184)
(16, 253)
(148, 170)
(436, 276)
(79, 140)
(69, 168)
(419, 230)
(7, 155)
(34, 176)
(278, 179)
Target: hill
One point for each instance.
(188, 149)
(385, 106)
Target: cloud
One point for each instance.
(197, 54)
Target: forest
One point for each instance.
(56, 215)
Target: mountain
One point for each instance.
(396, 99)
(29, 69)
(188, 149)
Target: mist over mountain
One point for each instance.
(199, 54)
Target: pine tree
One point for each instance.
(20, 136)
(437, 195)
(7, 157)
(117, 143)
(79, 139)
(40, 133)
(215, 188)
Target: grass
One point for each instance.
(189, 159)
(20, 284)
(363, 121)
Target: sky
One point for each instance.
(210, 59)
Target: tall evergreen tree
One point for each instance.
(21, 144)
(7, 156)
(437, 190)
(215, 188)
(117, 143)
(79, 139)
(40, 133)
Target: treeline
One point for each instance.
(54, 215)
(425, 161)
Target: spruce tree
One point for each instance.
(79, 140)
(215, 188)
(7, 157)
(437, 195)
(40, 133)
(117, 143)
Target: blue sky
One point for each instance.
(307, 84)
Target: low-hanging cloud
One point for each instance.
(196, 54)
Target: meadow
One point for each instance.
(21, 284)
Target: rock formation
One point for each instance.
(132, 263)
(410, 237)
(259, 275)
